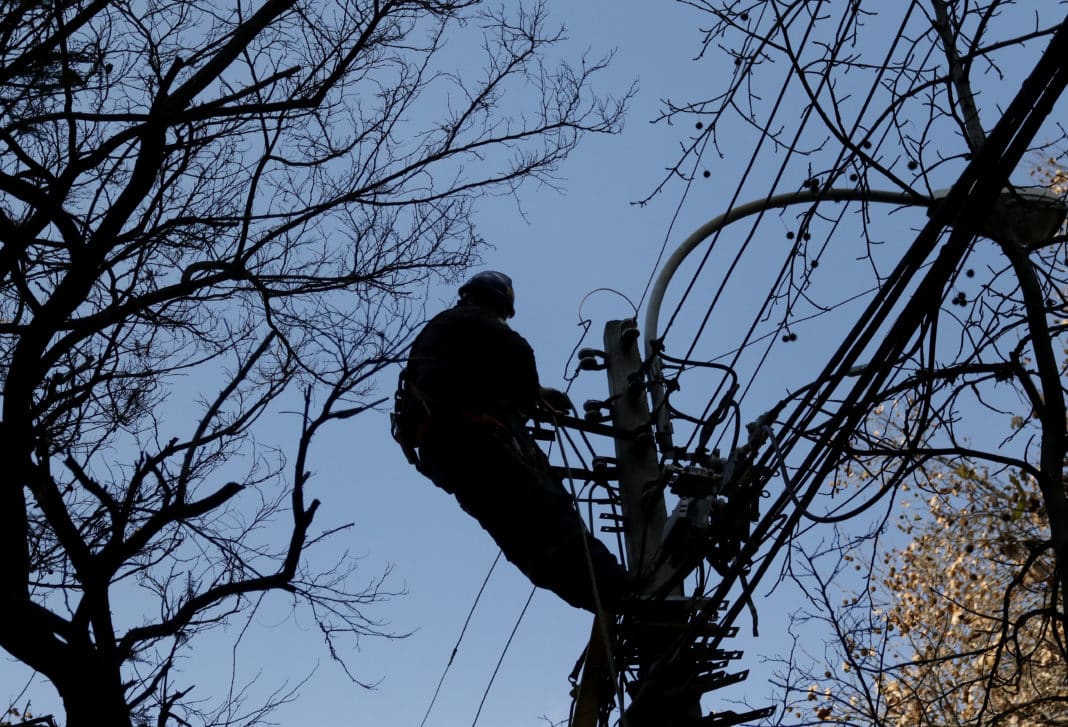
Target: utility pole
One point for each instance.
(644, 510)
(661, 636)
(644, 517)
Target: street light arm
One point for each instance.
(702, 233)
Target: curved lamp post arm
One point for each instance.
(702, 233)
(1026, 217)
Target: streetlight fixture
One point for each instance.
(1028, 217)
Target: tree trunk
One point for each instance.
(93, 696)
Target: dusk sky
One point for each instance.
(576, 253)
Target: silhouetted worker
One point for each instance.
(471, 385)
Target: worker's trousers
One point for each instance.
(504, 482)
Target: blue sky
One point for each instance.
(592, 236)
(560, 246)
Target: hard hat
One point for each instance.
(491, 286)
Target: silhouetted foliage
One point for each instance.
(916, 324)
(210, 215)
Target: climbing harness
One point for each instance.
(409, 419)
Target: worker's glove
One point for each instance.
(556, 401)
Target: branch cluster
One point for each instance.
(208, 216)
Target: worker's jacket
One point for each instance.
(467, 361)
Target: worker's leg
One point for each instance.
(526, 511)
(571, 551)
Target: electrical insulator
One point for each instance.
(590, 359)
(592, 410)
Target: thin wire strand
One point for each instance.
(750, 166)
(788, 156)
(585, 324)
(780, 280)
(463, 631)
(707, 136)
(503, 652)
(675, 218)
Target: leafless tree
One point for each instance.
(902, 353)
(211, 215)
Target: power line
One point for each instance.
(585, 324)
(974, 190)
(764, 135)
(503, 652)
(875, 85)
(463, 631)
